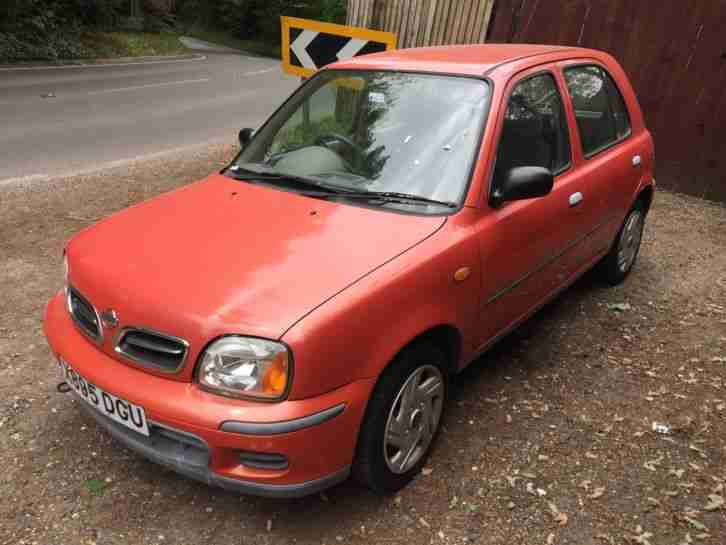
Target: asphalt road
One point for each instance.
(101, 114)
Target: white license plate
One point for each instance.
(117, 409)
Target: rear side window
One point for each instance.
(600, 111)
(535, 128)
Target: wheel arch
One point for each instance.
(645, 195)
(445, 336)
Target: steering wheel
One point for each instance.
(331, 141)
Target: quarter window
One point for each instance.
(600, 111)
(535, 128)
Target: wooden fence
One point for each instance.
(425, 22)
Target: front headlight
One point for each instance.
(245, 367)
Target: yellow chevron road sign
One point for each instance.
(309, 45)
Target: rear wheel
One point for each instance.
(402, 419)
(619, 261)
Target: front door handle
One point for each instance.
(575, 199)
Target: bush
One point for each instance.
(50, 29)
(42, 29)
(256, 19)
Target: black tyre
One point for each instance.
(402, 419)
(619, 261)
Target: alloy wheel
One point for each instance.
(413, 419)
(630, 240)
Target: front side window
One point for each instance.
(600, 111)
(535, 128)
(377, 131)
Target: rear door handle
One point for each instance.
(575, 199)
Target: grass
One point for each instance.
(104, 45)
(94, 44)
(222, 38)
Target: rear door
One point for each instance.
(611, 159)
(527, 246)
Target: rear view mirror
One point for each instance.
(245, 135)
(523, 183)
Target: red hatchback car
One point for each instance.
(297, 317)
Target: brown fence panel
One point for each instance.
(425, 22)
(675, 54)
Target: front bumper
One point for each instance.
(202, 435)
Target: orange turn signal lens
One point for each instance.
(275, 379)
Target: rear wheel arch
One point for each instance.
(645, 197)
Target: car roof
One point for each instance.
(470, 60)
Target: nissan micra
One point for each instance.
(297, 317)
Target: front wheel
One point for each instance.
(619, 261)
(402, 419)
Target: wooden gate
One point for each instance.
(675, 55)
(424, 22)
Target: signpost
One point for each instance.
(309, 45)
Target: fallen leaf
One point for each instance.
(697, 524)
(95, 486)
(671, 493)
(558, 516)
(597, 493)
(642, 537)
(650, 465)
(714, 502)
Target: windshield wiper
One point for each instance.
(254, 172)
(393, 196)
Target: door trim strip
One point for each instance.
(546, 263)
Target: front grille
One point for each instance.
(152, 349)
(83, 314)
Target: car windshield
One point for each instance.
(376, 131)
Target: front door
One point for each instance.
(527, 246)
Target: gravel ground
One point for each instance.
(549, 438)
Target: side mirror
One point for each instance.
(523, 183)
(245, 135)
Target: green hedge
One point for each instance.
(50, 29)
(257, 19)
